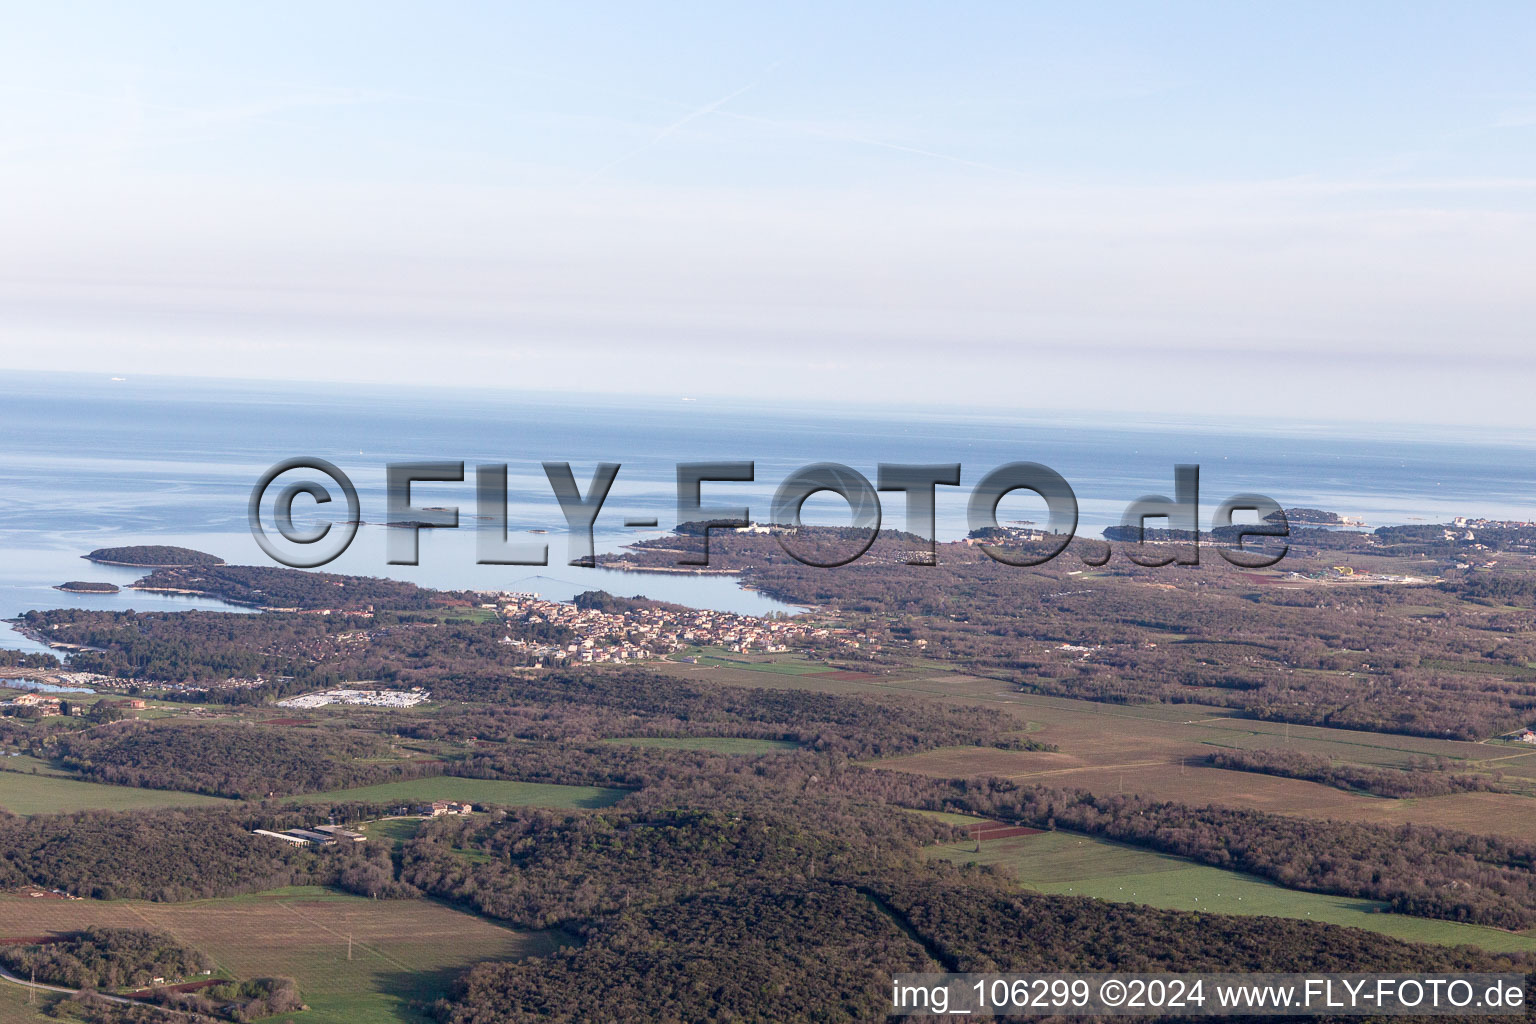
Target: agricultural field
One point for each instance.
(478, 791)
(403, 951)
(56, 793)
(717, 744)
(1157, 751)
(1061, 863)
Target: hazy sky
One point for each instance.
(1276, 209)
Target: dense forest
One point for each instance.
(577, 704)
(153, 556)
(545, 869)
(274, 587)
(1503, 588)
(1432, 538)
(814, 950)
(764, 951)
(743, 912)
(105, 958)
(87, 587)
(460, 663)
(282, 652)
(557, 721)
(172, 855)
(150, 855)
(237, 760)
(41, 660)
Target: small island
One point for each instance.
(82, 587)
(152, 556)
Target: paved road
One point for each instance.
(6, 975)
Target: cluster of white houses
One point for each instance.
(649, 632)
(369, 698)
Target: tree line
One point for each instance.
(105, 958)
(1388, 782)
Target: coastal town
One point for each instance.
(659, 631)
(625, 633)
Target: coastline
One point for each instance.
(624, 565)
(151, 565)
(23, 630)
(208, 596)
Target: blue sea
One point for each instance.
(88, 462)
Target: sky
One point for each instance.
(1304, 210)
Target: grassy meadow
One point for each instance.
(26, 794)
(478, 791)
(1065, 864)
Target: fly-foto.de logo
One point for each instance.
(273, 498)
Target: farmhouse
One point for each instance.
(341, 835)
(442, 807)
(47, 705)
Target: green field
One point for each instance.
(24, 793)
(404, 953)
(394, 830)
(780, 664)
(15, 1010)
(718, 744)
(477, 791)
(1065, 864)
(450, 614)
(948, 817)
(32, 766)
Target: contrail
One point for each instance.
(708, 108)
